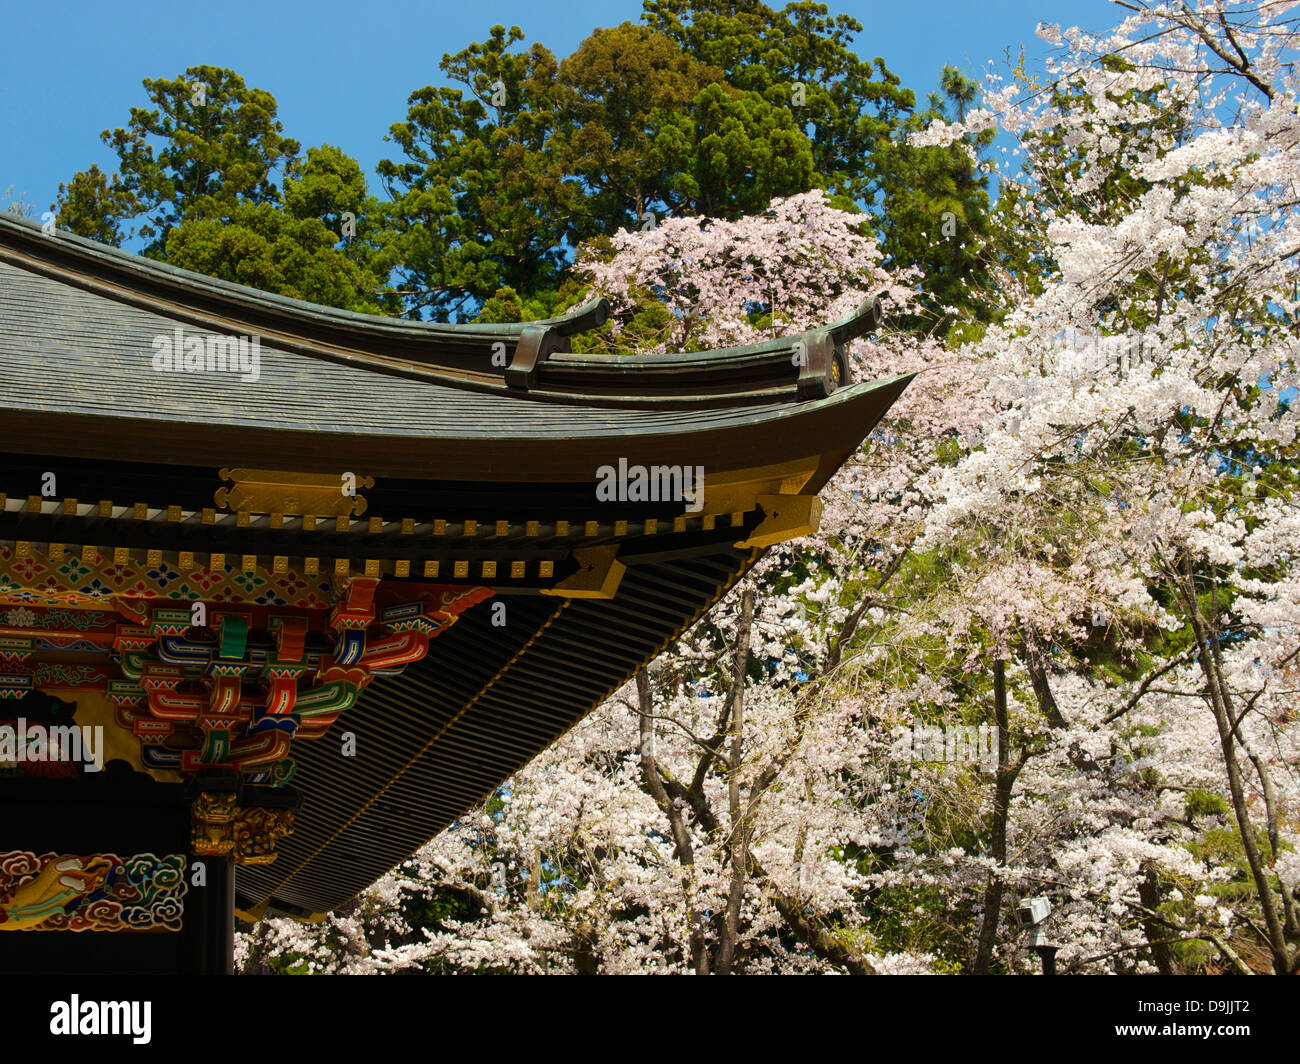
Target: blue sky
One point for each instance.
(341, 72)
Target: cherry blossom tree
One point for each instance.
(690, 823)
(1146, 391)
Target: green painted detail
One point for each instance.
(133, 662)
(169, 620)
(57, 674)
(282, 772)
(216, 747)
(234, 637)
(330, 698)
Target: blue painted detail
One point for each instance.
(285, 722)
(350, 647)
(160, 756)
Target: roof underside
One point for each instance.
(438, 739)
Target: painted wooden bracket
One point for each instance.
(785, 517)
(598, 576)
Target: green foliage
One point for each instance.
(850, 105)
(707, 108)
(195, 177)
(95, 206)
(936, 217)
(209, 139)
(505, 305)
(1224, 846)
(1204, 803)
(622, 89)
(856, 116)
(269, 249)
(480, 202)
(731, 153)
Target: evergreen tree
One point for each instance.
(195, 182)
(209, 138)
(935, 211)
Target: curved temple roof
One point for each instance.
(474, 462)
(75, 312)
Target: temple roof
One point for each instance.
(78, 321)
(481, 474)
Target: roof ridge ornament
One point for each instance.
(823, 358)
(540, 339)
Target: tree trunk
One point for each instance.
(1221, 705)
(1006, 778)
(1149, 895)
(654, 782)
(729, 926)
